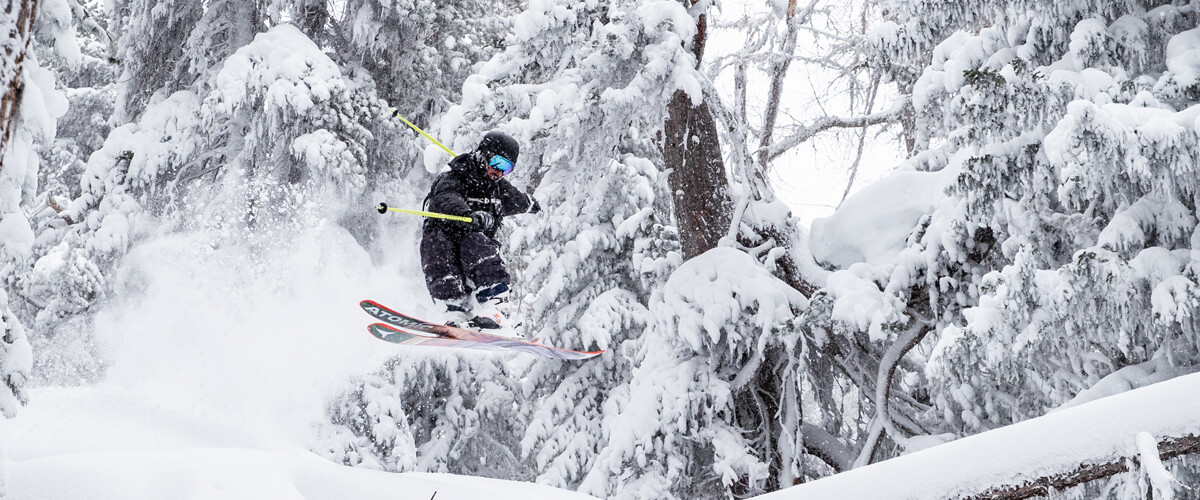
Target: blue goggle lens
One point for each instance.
(501, 163)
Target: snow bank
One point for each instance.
(229, 473)
(110, 444)
(1096, 431)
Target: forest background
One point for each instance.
(1033, 247)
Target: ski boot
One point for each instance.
(492, 313)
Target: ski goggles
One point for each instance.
(501, 163)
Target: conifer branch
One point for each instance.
(59, 210)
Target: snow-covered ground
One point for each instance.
(107, 443)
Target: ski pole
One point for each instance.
(383, 209)
(396, 113)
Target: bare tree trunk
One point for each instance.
(16, 24)
(692, 152)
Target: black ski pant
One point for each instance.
(453, 262)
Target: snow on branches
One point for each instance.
(281, 129)
(713, 403)
(1064, 250)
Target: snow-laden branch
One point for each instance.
(904, 342)
(804, 133)
(827, 447)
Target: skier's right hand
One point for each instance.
(482, 221)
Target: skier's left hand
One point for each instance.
(482, 221)
(534, 207)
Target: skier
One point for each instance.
(459, 258)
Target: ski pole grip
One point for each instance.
(382, 208)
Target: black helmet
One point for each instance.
(499, 143)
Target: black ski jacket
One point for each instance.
(465, 189)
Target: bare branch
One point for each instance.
(778, 71)
(804, 133)
(862, 140)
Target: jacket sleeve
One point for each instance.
(446, 197)
(512, 200)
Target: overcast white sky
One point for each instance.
(813, 176)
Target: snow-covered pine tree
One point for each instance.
(584, 86)
(1066, 125)
(436, 412)
(1061, 251)
(273, 136)
(63, 281)
(276, 128)
(73, 41)
(588, 85)
(299, 140)
(152, 37)
(595, 257)
(713, 408)
(224, 26)
(418, 51)
(417, 54)
(787, 369)
(29, 106)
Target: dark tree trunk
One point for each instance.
(16, 26)
(692, 152)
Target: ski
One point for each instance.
(399, 328)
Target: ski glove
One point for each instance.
(482, 221)
(534, 207)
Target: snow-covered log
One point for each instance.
(1167, 448)
(1064, 448)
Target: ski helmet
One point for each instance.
(500, 143)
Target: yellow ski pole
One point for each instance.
(396, 113)
(383, 209)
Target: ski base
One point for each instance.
(400, 328)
